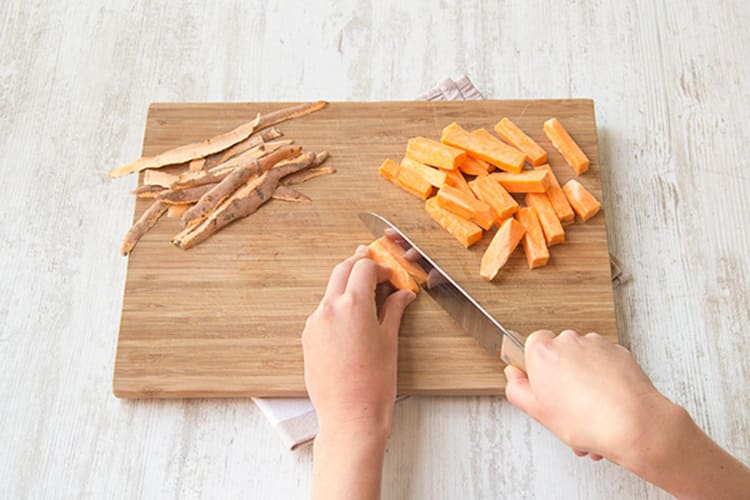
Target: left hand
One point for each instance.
(351, 353)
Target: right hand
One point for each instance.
(587, 391)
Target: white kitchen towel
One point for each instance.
(294, 420)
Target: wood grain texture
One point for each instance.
(224, 319)
(670, 86)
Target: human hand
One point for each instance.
(351, 353)
(587, 391)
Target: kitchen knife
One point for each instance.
(489, 332)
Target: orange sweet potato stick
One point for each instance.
(528, 181)
(557, 198)
(553, 230)
(565, 144)
(491, 192)
(510, 133)
(474, 166)
(456, 179)
(466, 205)
(398, 253)
(534, 244)
(432, 175)
(506, 240)
(434, 153)
(400, 278)
(188, 152)
(583, 202)
(483, 145)
(406, 179)
(466, 232)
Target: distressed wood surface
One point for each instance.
(670, 84)
(231, 326)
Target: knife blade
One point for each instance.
(462, 307)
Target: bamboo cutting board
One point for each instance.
(224, 318)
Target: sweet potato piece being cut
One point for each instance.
(483, 145)
(188, 152)
(474, 166)
(534, 244)
(466, 205)
(466, 232)
(510, 133)
(432, 175)
(528, 181)
(557, 198)
(434, 153)
(400, 278)
(406, 179)
(565, 144)
(506, 240)
(398, 253)
(491, 192)
(583, 202)
(553, 230)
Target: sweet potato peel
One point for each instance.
(145, 222)
(245, 201)
(188, 152)
(233, 181)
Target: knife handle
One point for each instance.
(512, 354)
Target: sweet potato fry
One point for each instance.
(434, 153)
(145, 222)
(567, 147)
(466, 232)
(491, 192)
(483, 145)
(528, 181)
(506, 239)
(432, 175)
(475, 166)
(183, 154)
(466, 205)
(557, 198)
(554, 233)
(246, 200)
(534, 244)
(582, 201)
(516, 137)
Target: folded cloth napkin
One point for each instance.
(294, 420)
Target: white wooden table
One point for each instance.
(671, 90)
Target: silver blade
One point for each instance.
(441, 287)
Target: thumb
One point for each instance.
(518, 390)
(393, 309)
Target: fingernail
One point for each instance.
(360, 249)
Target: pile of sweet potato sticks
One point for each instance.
(222, 179)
